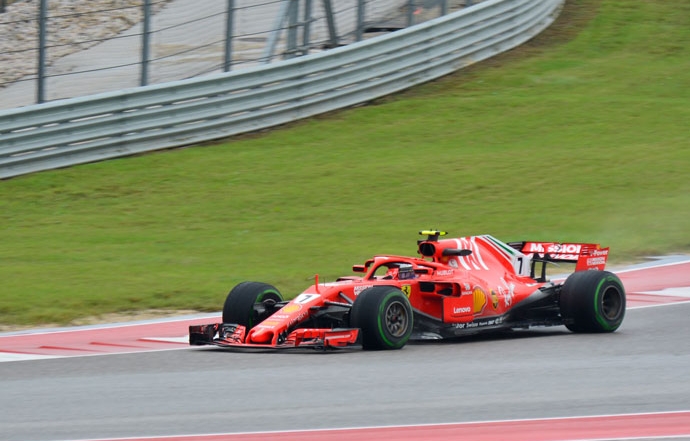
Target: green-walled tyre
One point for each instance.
(592, 301)
(384, 316)
(249, 303)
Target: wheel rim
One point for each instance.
(611, 303)
(396, 319)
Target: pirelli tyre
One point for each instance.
(384, 316)
(249, 303)
(592, 301)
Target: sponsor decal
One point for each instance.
(532, 247)
(474, 260)
(565, 256)
(305, 298)
(407, 289)
(291, 307)
(604, 252)
(565, 248)
(559, 251)
(494, 299)
(551, 248)
(507, 291)
(453, 263)
(462, 310)
(361, 288)
(298, 319)
(592, 261)
(479, 323)
(445, 273)
(268, 324)
(479, 299)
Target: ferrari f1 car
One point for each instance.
(454, 287)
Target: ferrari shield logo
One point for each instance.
(479, 299)
(407, 289)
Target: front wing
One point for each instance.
(234, 335)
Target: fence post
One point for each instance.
(275, 33)
(228, 35)
(332, 32)
(360, 20)
(410, 13)
(145, 37)
(42, 18)
(291, 41)
(306, 35)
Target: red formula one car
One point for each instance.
(455, 287)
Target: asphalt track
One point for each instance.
(527, 385)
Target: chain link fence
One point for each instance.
(55, 49)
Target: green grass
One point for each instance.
(580, 135)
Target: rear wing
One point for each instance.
(585, 256)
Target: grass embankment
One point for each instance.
(580, 135)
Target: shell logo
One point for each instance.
(291, 308)
(494, 299)
(479, 299)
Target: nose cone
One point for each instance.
(260, 335)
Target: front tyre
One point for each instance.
(384, 316)
(249, 303)
(592, 301)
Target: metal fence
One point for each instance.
(56, 49)
(185, 112)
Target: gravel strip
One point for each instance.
(72, 25)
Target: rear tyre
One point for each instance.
(249, 303)
(384, 316)
(592, 301)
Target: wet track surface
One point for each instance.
(644, 367)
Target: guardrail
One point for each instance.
(109, 125)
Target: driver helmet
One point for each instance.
(406, 271)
